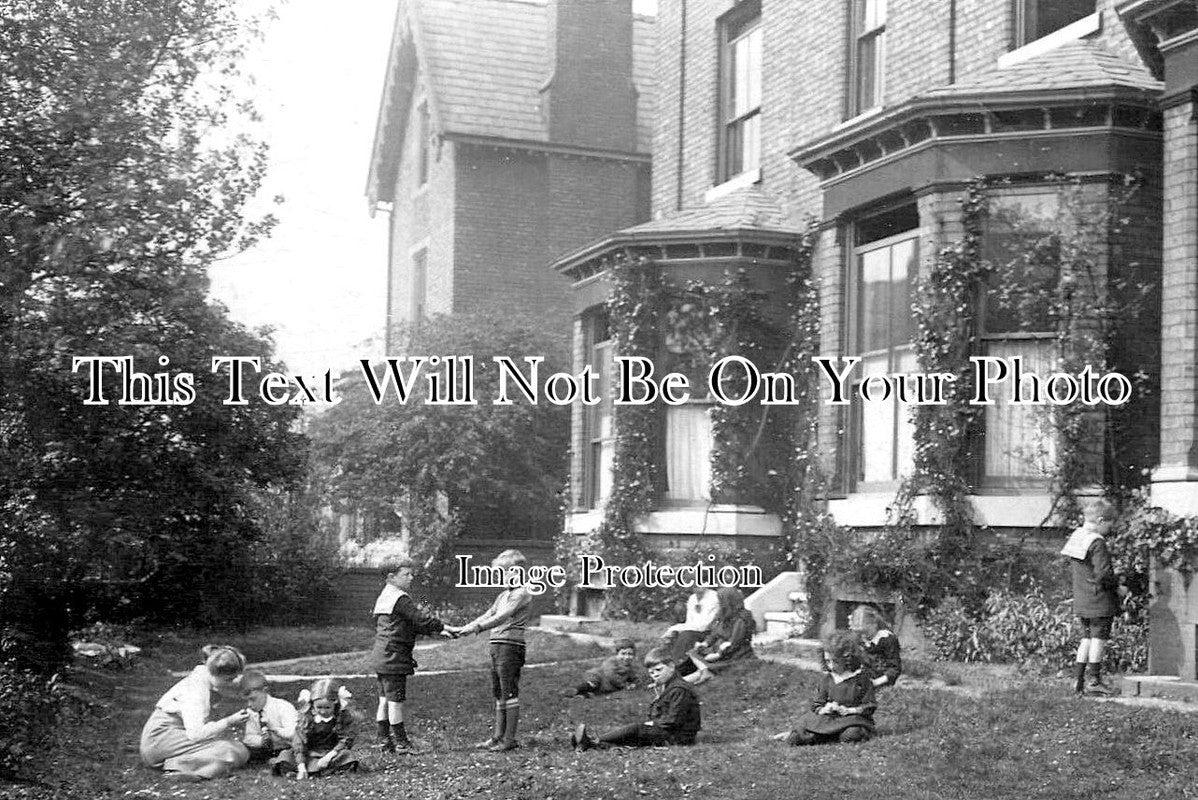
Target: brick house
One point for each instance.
(873, 118)
(509, 132)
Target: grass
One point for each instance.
(467, 653)
(1024, 739)
(179, 648)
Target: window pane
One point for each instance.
(753, 67)
(874, 300)
(734, 150)
(866, 72)
(688, 452)
(1016, 241)
(750, 143)
(876, 439)
(1020, 442)
(1042, 17)
(902, 267)
(874, 14)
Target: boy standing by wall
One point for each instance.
(1095, 595)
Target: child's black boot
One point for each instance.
(385, 743)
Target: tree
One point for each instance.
(122, 178)
(497, 469)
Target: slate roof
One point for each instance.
(487, 61)
(749, 208)
(1085, 63)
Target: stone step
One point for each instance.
(1162, 687)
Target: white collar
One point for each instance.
(320, 719)
(841, 677)
(387, 597)
(879, 636)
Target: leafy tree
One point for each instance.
(122, 178)
(490, 470)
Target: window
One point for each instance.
(419, 307)
(1019, 442)
(867, 23)
(601, 443)
(740, 91)
(1035, 19)
(883, 264)
(422, 148)
(688, 451)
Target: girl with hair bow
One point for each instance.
(324, 736)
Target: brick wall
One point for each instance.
(1179, 412)
(518, 211)
(421, 216)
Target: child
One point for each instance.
(271, 725)
(731, 637)
(397, 622)
(1095, 595)
(324, 735)
(674, 715)
(882, 652)
(615, 673)
(506, 619)
(701, 608)
(843, 709)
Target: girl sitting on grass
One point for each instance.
(324, 735)
(843, 709)
(731, 636)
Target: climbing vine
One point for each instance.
(761, 455)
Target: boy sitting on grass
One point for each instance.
(674, 716)
(616, 672)
(271, 724)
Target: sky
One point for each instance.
(320, 279)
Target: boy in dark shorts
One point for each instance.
(398, 621)
(1095, 595)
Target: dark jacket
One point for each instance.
(611, 675)
(1094, 583)
(883, 656)
(317, 738)
(675, 710)
(395, 635)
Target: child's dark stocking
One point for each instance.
(1079, 677)
(400, 735)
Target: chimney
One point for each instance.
(591, 100)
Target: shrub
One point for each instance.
(26, 725)
(1030, 628)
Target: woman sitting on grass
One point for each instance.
(843, 709)
(731, 637)
(181, 738)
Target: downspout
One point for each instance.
(952, 41)
(681, 105)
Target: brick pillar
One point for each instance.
(1175, 482)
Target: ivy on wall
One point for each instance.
(761, 455)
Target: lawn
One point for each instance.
(1029, 739)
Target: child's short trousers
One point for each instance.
(393, 687)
